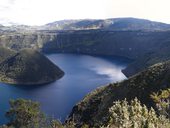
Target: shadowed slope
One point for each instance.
(5, 53)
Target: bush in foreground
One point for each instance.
(26, 114)
(123, 114)
(135, 115)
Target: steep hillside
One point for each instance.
(94, 108)
(160, 54)
(5, 53)
(29, 67)
(19, 40)
(131, 44)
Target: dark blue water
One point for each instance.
(83, 74)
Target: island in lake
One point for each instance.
(28, 67)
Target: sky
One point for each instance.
(39, 12)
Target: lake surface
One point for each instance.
(83, 73)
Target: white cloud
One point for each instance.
(37, 12)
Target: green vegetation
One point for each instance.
(135, 115)
(160, 54)
(27, 114)
(29, 67)
(162, 101)
(122, 114)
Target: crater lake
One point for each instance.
(83, 74)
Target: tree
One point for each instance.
(25, 114)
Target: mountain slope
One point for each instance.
(109, 24)
(137, 24)
(5, 53)
(131, 44)
(160, 54)
(29, 67)
(118, 24)
(94, 108)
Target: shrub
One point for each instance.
(135, 115)
(162, 101)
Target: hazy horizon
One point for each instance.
(38, 12)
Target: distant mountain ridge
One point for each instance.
(108, 24)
